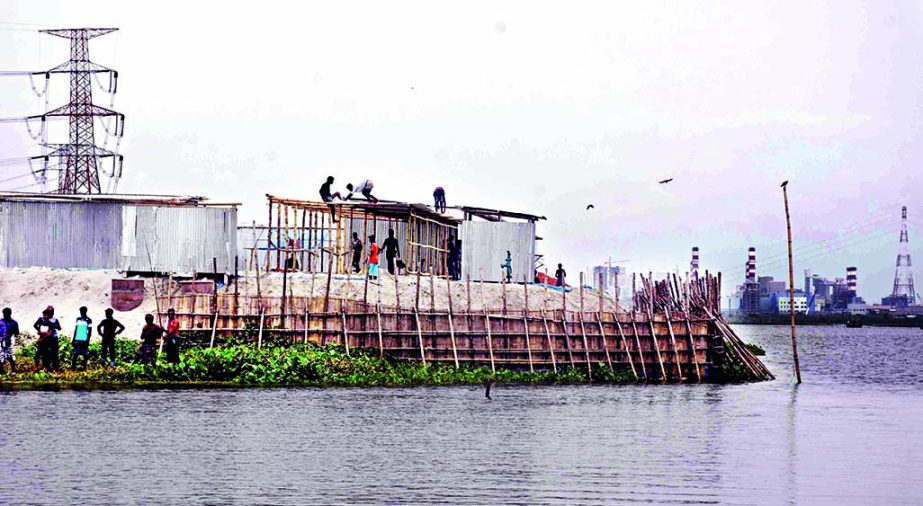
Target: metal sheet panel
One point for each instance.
(183, 239)
(484, 247)
(60, 234)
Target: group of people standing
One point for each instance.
(391, 249)
(48, 348)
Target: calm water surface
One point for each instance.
(851, 434)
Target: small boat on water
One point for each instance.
(854, 324)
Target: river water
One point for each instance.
(852, 433)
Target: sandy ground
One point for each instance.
(353, 288)
(28, 291)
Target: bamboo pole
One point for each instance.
(602, 335)
(416, 317)
(490, 345)
(695, 358)
(570, 353)
(381, 339)
(525, 319)
(679, 369)
(327, 291)
(346, 332)
(259, 337)
(634, 332)
(586, 347)
(448, 286)
(211, 343)
(554, 363)
(791, 283)
(618, 326)
(650, 320)
(306, 321)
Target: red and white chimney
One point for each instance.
(751, 265)
(852, 280)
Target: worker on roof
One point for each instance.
(325, 194)
(365, 188)
(439, 199)
(328, 197)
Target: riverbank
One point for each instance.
(299, 365)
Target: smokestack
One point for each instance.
(852, 280)
(808, 282)
(694, 265)
(751, 265)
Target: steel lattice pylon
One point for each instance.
(79, 158)
(903, 276)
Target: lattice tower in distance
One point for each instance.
(903, 275)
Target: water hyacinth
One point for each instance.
(281, 365)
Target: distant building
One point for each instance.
(857, 309)
(780, 300)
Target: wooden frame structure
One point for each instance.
(314, 236)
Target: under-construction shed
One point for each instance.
(314, 236)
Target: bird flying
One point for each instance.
(590, 206)
(665, 181)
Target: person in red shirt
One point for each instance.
(171, 342)
(373, 257)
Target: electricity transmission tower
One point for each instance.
(903, 276)
(79, 158)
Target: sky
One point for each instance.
(527, 106)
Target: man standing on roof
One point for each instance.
(357, 253)
(559, 275)
(373, 258)
(439, 199)
(392, 250)
(365, 188)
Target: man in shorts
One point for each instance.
(81, 340)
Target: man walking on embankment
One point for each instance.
(560, 275)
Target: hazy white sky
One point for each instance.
(538, 107)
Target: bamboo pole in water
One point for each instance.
(554, 363)
(490, 343)
(791, 282)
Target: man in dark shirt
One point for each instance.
(325, 193)
(149, 336)
(171, 342)
(391, 250)
(9, 329)
(357, 252)
(108, 329)
(46, 348)
(452, 248)
(559, 275)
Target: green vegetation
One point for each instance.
(756, 349)
(276, 365)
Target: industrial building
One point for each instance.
(137, 234)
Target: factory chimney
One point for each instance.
(751, 265)
(694, 264)
(852, 280)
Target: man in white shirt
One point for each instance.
(365, 188)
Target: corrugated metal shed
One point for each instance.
(45, 231)
(484, 247)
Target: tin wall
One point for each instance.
(116, 235)
(484, 247)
